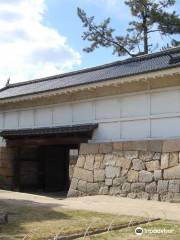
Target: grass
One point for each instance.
(30, 221)
(129, 233)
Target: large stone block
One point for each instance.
(73, 193)
(135, 145)
(92, 188)
(164, 160)
(173, 159)
(172, 145)
(152, 165)
(109, 160)
(162, 186)
(172, 173)
(82, 186)
(138, 164)
(157, 156)
(123, 162)
(89, 163)
(118, 181)
(117, 146)
(157, 175)
(132, 176)
(131, 154)
(105, 148)
(74, 183)
(112, 172)
(83, 174)
(146, 156)
(98, 160)
(155, 145)
(115, 191)
(104, 190)
(126, 187)
(145, 176)
(137, 187)
(99, 175)
(108, 181)
(174, 186)
(88, 148)
(81, 161)
(151, 187)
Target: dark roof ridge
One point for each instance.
(119, 62)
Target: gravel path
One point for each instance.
(105, 204)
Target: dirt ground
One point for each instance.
(104, 204)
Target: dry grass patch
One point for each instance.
(40, 221)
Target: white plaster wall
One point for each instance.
(149, 114)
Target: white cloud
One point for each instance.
(28, 48)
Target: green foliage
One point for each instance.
(150, 17)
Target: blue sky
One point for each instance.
(43, 37)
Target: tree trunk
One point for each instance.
(145, 33)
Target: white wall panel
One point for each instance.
(134, 129)
(108, 108)
(11, 120)
(43, 117)
(26, 119)
(83, 112)
(107, 131)
(62, 115)
(134, 106)
(165, 102)
(1, 120)
(167, 127)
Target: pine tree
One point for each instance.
(150, 16)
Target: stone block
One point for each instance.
(104, 190)
(81, 161)
(173, 159)
(105, 148)
(162, 186)
(146, 156)
(155, 197)
(117, 146)
(157, 175)
(143, 195)
(151, 187)
(99, 175)
(132, 176)
(172, 173)
(137, 187)
(126, 187)
(152, 165)
(131, 154)
(118, 181)
(109, 160)
(82, 186)
(171, 145)
(89, 163)
(115, 191)
(108, 181)
(83, 174)
(174, 186)
(135, 145)
(176, 198)
(98, 160)
(73, 193)
(138, 164)
(164, 160)
(92, 188)
(89, 148)
(74, 183)
(123, 162)
(155, 145)
(112, 172)
(145, 176)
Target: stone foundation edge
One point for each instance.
(147, 169)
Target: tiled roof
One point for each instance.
(132, 66)
(82, 129)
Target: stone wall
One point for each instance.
(135, 169)
(6, 167)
